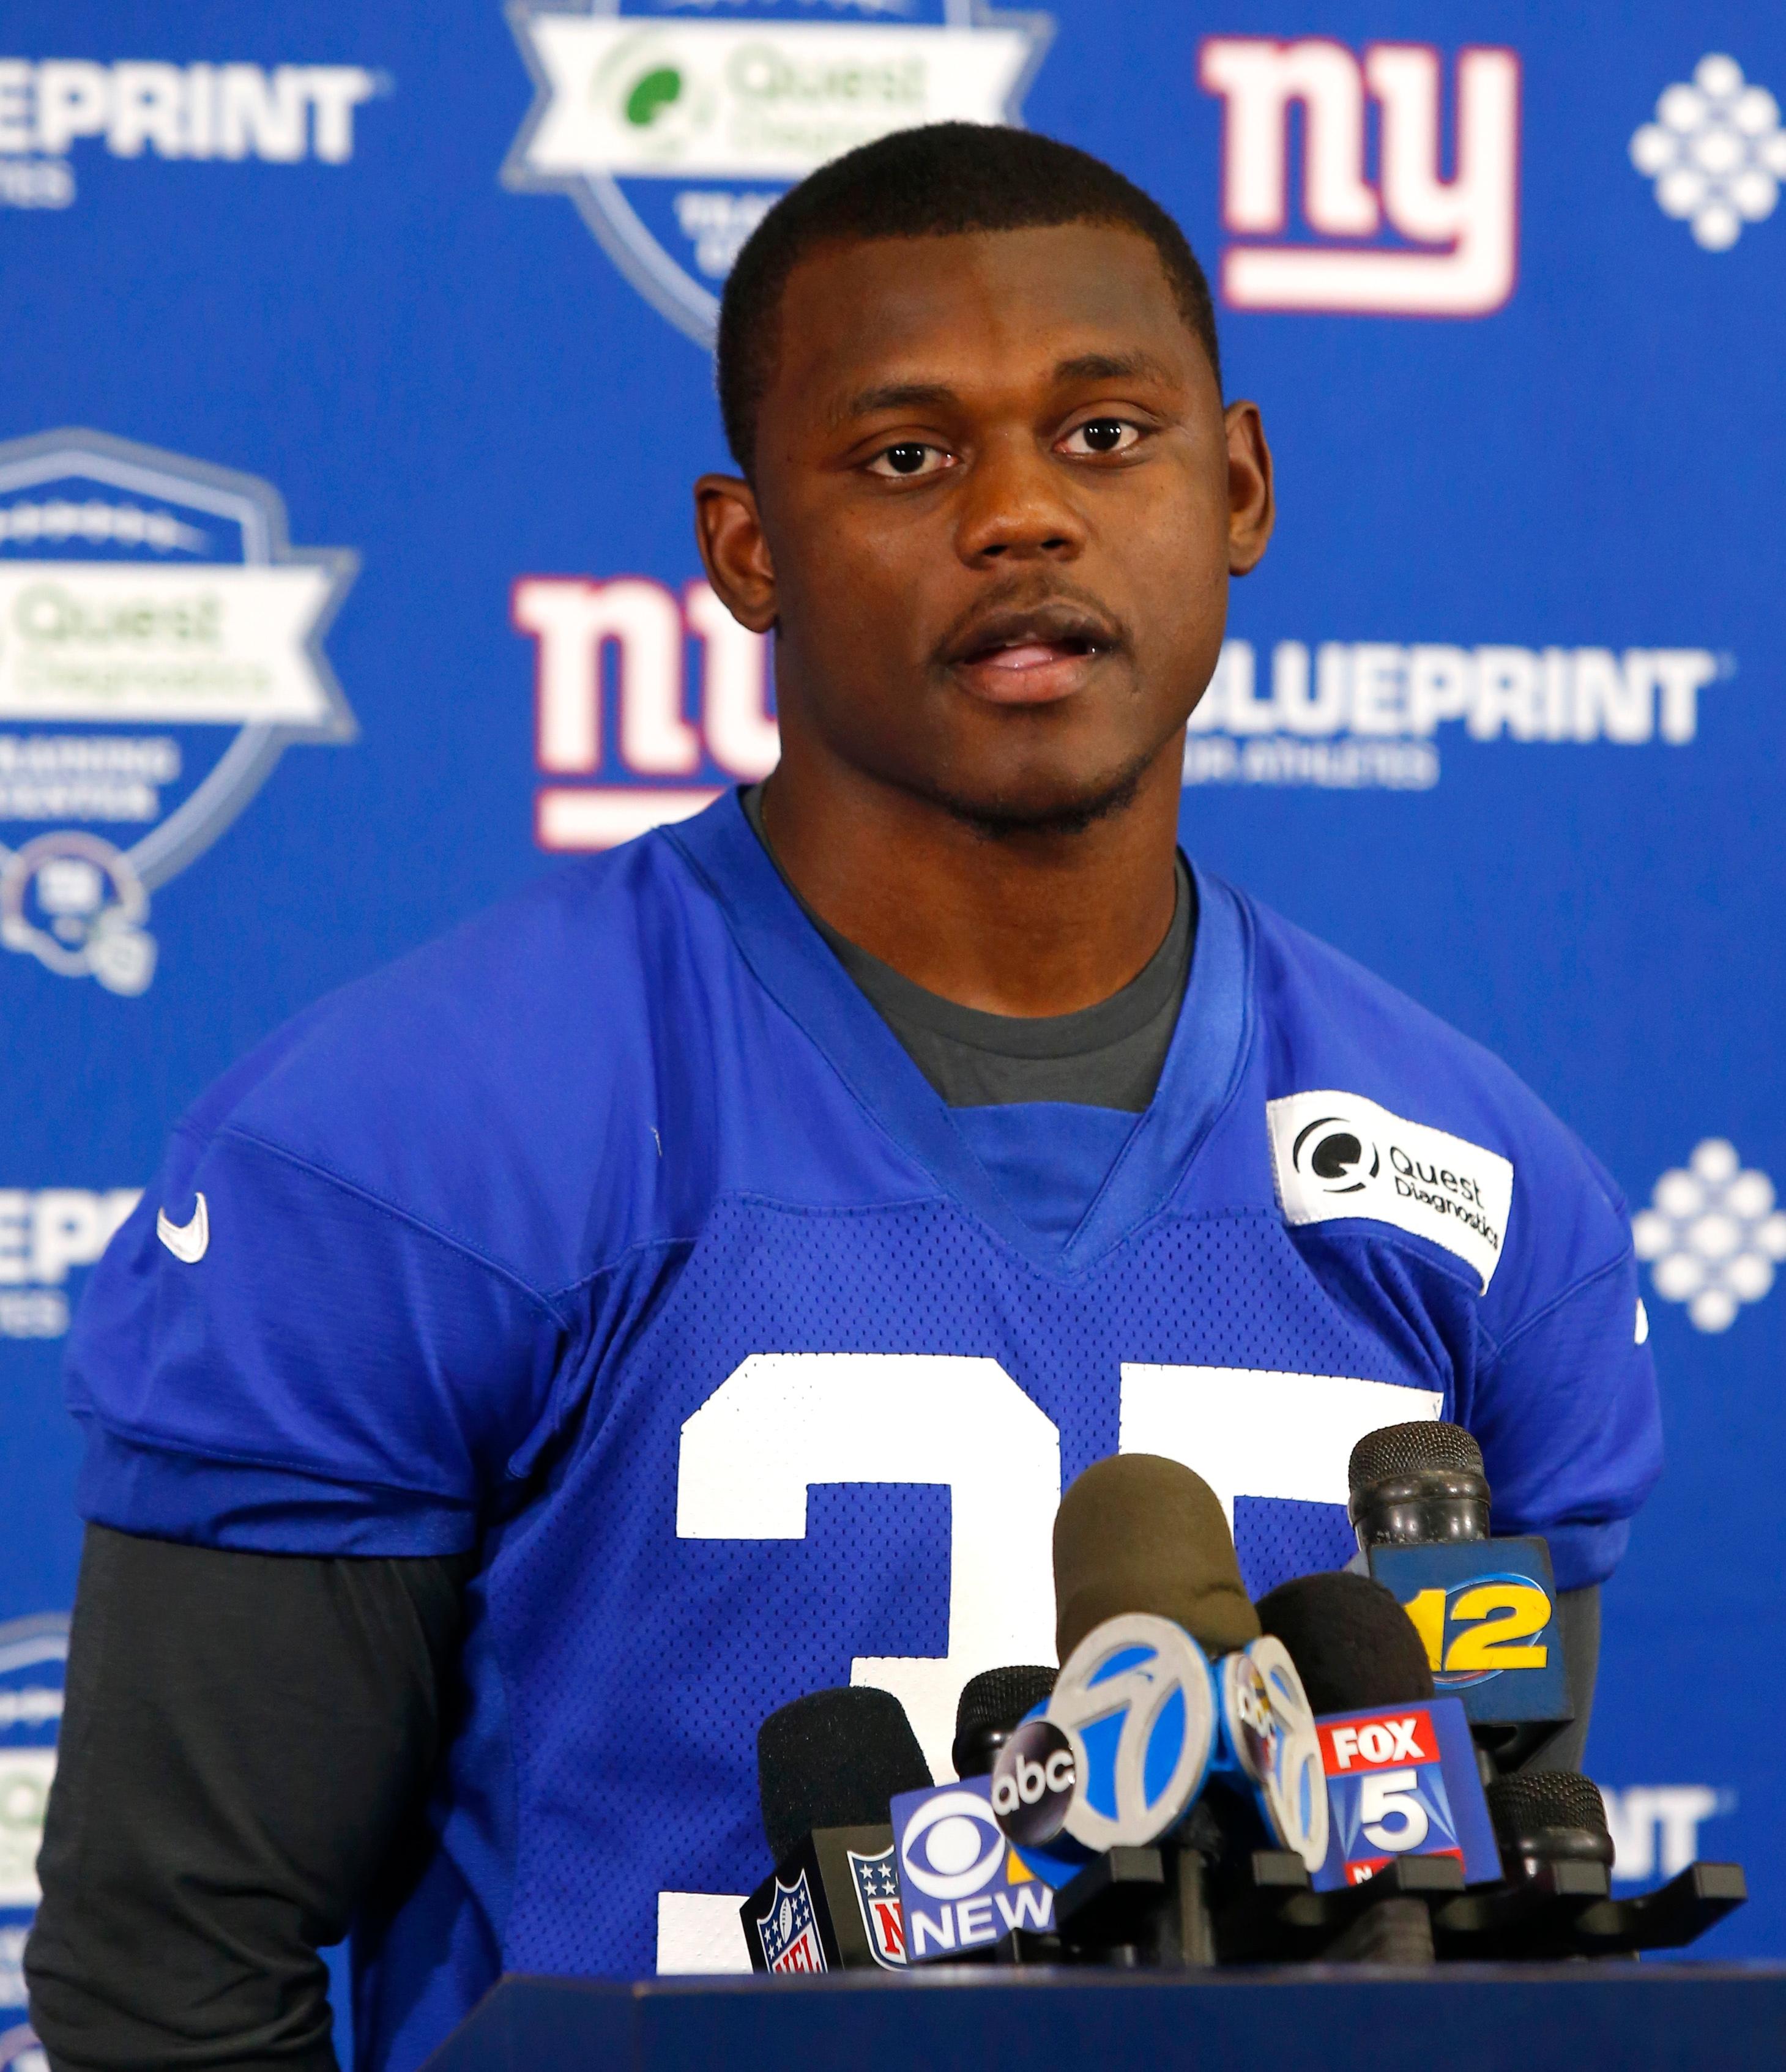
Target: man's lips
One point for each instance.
(1031, 658)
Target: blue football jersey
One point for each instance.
(617, 1236)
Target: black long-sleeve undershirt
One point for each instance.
(244, 1738)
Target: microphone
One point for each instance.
(1484, 1608)
(1146, 1579)
(1352, 1644)
(1147, 1589)
(1555, 1901)
(827, 1766)
(1139, 1533)
(1417, 1485)
(990, 1708)
(1407, 1821)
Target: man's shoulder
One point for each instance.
(1377, 1105)
(1325, 1020)
(501, 1064)
(546, 970)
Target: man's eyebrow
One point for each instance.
(1113, 367)
(938, 395)
(892, 396)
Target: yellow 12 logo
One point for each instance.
(1477, 1629)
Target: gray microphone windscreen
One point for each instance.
(1139, 1533)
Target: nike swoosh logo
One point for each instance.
(186, 1241)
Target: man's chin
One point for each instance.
(1038, 802)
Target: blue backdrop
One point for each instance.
(352, 380)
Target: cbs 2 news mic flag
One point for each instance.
(963, 1885)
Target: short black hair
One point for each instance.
(938, 181)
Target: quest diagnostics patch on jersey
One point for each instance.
(1336, 1155)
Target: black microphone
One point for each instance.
(1485, 1608)
(827, 1766)
(1554, 1899)
(991, 1705)
(1352, 1644)
(1417, 1485)
(1356, 1649)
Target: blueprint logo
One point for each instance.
(1716, 152)
(674, 135)
(49, 106)
(1408, 242)
(1356, 715)
(1712, 1234)
(1656, 1826)
(45, 1234)
(160, 646)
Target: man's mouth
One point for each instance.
(1030, 657)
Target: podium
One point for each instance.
(1622, 2017)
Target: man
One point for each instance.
(688, 1285)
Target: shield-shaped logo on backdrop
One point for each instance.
(160, 646)
(674, 135)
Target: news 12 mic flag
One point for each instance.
(345, 435)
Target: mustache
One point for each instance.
(1053, 613)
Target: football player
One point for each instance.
(689, 1284)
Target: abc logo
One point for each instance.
(1331, 1153)
(1032, 1784)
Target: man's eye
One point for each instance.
(1102, 435)
(909, 458)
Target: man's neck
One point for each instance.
(1035, 922)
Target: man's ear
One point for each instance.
(729, 529)
(1252, 506)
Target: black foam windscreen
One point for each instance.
(1352, 1644)
(832, 1759)
(991, 1705)
(1136, 1532)
(999, 1698)
(1398, 1451)
(1548, 1814)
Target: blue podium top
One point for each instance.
(1468, 2018)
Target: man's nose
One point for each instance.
(1016, 507)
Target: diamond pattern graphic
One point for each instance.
(1712, 1234)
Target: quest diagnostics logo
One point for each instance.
(1337, 1155)
(160, 647)
(673, 136)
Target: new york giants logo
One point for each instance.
(1438, 246)
(611, 705)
